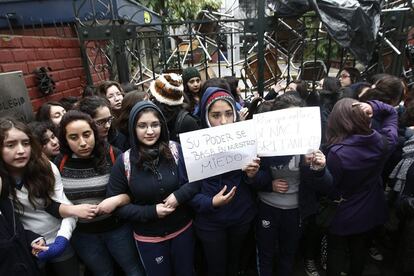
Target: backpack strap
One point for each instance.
(62, 162)
(127, 164)
(111, 154)
(179, 120)
(174, 151)
(127, 161)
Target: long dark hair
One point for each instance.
(388, 89)
(90, 105)
(100, 149)
(144, 153)
(347, 119)
(234, 84)
(301, 88)
(331, 84)
(43, 114)
(39, 130)
(130, 99)
(354, 74)
(189, 99)
(38, 177)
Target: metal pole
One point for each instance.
(260, 46)
(121, 61)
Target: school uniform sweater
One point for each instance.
(84, 185)
(38, 220)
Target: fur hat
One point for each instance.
(168, 89)
(189, 73)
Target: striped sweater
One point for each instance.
(83, 184)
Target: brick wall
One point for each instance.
(42, 48)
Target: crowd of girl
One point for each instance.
(102, 185)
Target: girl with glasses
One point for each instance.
(348, 76)
(152, 173)
(99, 109)
(112, 91)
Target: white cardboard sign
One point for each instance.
(288, 132)
(213, 151)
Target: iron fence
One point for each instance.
(258, 50)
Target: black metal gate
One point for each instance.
(116, 45)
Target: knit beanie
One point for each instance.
(189, 73)
(217, 96)
(168, 89)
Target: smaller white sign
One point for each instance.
(288, 132)
(213, 151)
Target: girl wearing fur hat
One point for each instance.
(167, 94)
(152, 172)
(224, 206)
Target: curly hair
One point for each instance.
(38, 177)
(99, 151)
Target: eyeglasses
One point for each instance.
(104, 121)
(144, 127)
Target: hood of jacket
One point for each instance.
(133, 118)
(203, 104)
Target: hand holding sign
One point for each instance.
(288, 131)
(316, 160)
(213, 151)
(252, 168)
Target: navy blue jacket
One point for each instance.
(147, 188)
(240, 210)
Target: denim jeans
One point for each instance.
(98, 250)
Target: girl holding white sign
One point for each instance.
(224, 206)
(286, 200)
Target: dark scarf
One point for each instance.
(152, 159)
